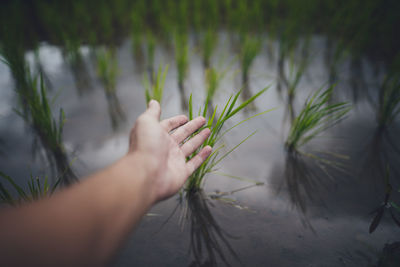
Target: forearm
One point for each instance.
(81, 224)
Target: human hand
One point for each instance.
(161, 146)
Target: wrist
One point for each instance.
(144, 169)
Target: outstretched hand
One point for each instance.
(164, 146)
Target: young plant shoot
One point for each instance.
(155, 90)
(315, 117)
(36, 190)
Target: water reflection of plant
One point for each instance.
(386, 205)
(389, 100)
(208, 240)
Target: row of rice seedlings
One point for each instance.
(182, 63)
(389, 100)
(315, 117)
(195, 181)
(155, 90)
(37, 189)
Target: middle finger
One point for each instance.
(187, 129)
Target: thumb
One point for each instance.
(154, 109)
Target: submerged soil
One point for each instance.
(304, 213)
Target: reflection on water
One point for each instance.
(209, 242)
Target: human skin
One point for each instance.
(86, 223)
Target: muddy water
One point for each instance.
(303, 215)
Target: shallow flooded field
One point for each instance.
(264, 205)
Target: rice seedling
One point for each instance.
(182, 58)
(37, 189)
(296, 71)
(196, 180)
(107, 68)
(209, 41)
(213, 78)
(137, 18)
(156, 89)
(107, 71)
(315, 117)
(13, 56)
(250, 48)
(389, 100)
(47, 129)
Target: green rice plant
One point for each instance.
(389, 100)
(315, 117)
(213, 78)
(107, 68)
(209, 41)
(151, 44)
(41, 117)
(296, 71)
(137, 23)
(250, 48)
(47, 129)
(13, 56)
(195, 181)
(36, 190)
(181, 56)
(155, 90)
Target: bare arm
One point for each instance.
(86, 223)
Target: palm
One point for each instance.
(164, 142)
